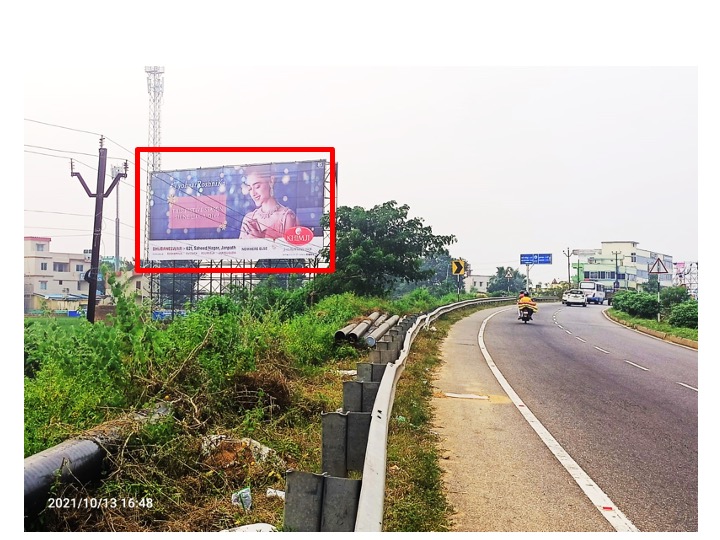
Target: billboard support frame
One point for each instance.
(202, 271)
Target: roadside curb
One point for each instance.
(660, 335)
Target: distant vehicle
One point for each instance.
(576, 297)
(594, 291)
(564, 296)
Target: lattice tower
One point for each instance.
(685, 274)
(155, 85)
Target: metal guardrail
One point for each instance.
(371, 503)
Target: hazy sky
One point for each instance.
(510, 160)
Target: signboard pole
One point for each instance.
(527, 278)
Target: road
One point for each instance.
(568, 423)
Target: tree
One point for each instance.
(376, 248)
(652, 284)
(441, 282)
(501, 283)
(671, 296)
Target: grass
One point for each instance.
(653, 324)
(414, 493)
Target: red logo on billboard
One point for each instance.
(299, 236)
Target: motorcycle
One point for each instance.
(526, 314)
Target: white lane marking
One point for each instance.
(568, 332)
(596, 495)
(602, 350)
(688, 386)
(580, 339)
(637, 365)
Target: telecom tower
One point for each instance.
(155, 86)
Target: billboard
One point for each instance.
(259, 211)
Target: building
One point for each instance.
(56, 281)
(479, 283)
(622, 264)
(53, 280)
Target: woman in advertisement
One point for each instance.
(270, 219)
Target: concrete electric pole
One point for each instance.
(91, 276)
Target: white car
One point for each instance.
(575, 297)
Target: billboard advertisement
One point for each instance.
(266, 211)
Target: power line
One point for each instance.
(67, 151)
(79, 131)
(226, 207)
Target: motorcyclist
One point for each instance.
(524, 300)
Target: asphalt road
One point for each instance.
(568, 423)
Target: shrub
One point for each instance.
(637, 304)
(684, 315)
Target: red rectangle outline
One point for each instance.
(152, 149)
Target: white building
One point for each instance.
(621, 263)
(479, 283)
(56, 281)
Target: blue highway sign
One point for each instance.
(536, 258)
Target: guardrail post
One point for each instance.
(370, 372)
(340, 504)
(303, 501)
(358, 429)
(320, 503)
(359, 396)
(334, 443)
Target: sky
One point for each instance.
(519, 129)
(509, 160)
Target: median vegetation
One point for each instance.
(675, 313)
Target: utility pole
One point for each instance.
(616, 285)
(115, 171)
(567, 254)
(91, 276)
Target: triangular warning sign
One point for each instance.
(658, 267)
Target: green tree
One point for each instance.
(651, 286)
(671, 296)
(377, 248)
(440, 283)
(500, 283)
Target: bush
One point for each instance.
(684, 315)
(671, 297)
(637, 304)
